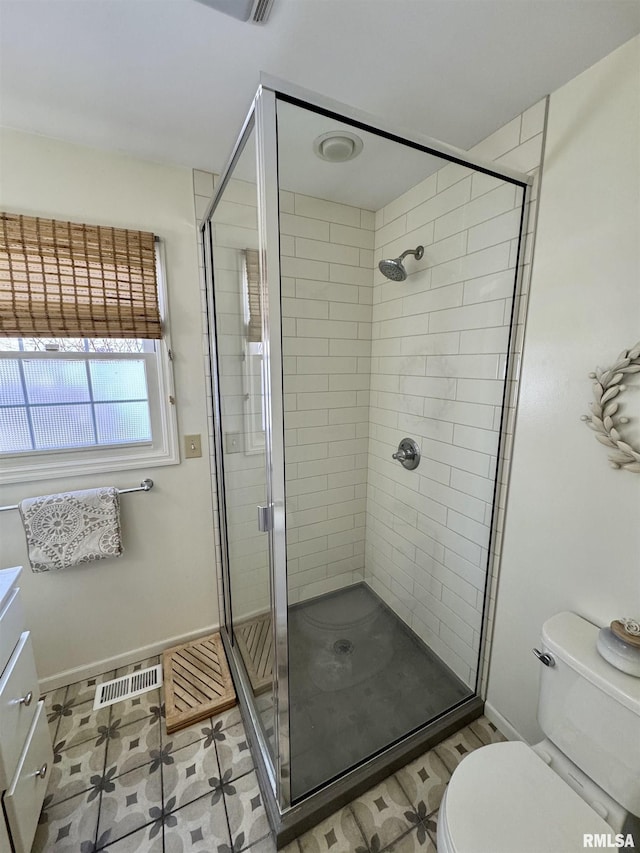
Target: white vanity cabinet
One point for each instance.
(25, 746)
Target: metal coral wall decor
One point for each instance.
(604, 420)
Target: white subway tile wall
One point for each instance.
(368, 361)
(439, 346)
(326, 309)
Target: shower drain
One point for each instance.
(343, 647)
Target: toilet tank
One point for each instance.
(590, 710)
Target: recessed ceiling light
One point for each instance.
(338, 146)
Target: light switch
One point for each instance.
(192, 447)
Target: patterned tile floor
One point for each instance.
(119, 783)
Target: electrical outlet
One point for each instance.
(232, 442)
(192, 447)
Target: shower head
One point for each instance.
(393, 268)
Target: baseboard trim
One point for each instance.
(501, 723)
(80, 673)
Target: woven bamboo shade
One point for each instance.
(64, 279)
(252, 271)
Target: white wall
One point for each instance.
(572, 535)
(164, 587)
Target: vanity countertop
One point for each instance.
(8, 579)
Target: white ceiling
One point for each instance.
(172, 80)
(381, 172)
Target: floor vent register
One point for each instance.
(127, 686)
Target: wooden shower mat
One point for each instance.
(255, 641)
(197, 682)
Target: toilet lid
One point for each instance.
(503, 797)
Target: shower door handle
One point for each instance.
(265, 518)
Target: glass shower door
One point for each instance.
(242, 422)
(399, 272)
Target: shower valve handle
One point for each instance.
(407, 454)
(401, 455)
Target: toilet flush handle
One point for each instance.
(544, 657)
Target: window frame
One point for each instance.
(31, 465)
(252, 368)
(253, 417)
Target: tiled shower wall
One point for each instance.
(326, 258)
(438, 362)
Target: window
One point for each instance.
(254, 421)
(85, 380)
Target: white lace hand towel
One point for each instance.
(75, 527)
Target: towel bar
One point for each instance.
(144, 486)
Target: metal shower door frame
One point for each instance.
(262, 119)
(269, 241)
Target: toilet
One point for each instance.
(578, 788)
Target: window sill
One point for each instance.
(91, 463)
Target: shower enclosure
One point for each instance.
(358, 408)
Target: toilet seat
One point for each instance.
(503, 797)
